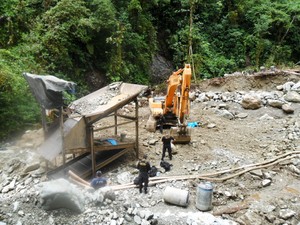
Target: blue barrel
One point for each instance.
(204, 196)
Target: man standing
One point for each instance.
(167, 140)
(161, 122)
(144, 168)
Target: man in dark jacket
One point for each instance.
(144, 168)
(167, 141)
(161, 122)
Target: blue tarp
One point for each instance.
(109, 140)
(192, 124)
(112, 141)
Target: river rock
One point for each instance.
(287, 108)
(286, 213)
(275, 103)
(251, 102)
(292, 96)
(31, 167)
(288, 86)
(266, 182)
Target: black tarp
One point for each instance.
(48, 89)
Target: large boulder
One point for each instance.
(251, 102)
(60, 193)
(292, 96)
(161, 69)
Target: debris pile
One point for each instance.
(89, 104)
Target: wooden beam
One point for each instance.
(103, 128)
(44, 123)
(92, 150)
(116, 123)
(114, 147)
(127, 117)
(136, 128)
(114, 157)
(62, 134)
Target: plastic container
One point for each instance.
(122, 137)
(176, 196)
(204, 196)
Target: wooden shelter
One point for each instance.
(79, 129)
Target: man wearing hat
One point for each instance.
(144, 168)
(98, 181)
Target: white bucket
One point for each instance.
(176, 196)
(204, 196)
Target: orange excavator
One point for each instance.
(174, 107)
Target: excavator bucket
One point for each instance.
(181, 134)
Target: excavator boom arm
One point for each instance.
(184, 107)
(171, 101)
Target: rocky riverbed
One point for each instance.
(248, 133)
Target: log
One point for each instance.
(80, 184)
(208, 176)
(230, 209)
(78, 179)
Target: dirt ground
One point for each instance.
(221, 144)
(237, 142)
(232, 143)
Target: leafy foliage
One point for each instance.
(18, 109)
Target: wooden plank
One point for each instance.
(114, 157)
(103, 128)
(114, 147)
(128, 117)
(77, 151)
(92, 151)
(136, 128)
(116, 123)
(62, 134)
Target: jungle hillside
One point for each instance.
(95, 42)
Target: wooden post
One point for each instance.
(62, 135)
(44, 122)
(116, 123)
(45, 131)
(136, 127)
(92, 150)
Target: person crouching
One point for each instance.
(99, 181)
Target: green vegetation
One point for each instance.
(118, 39)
